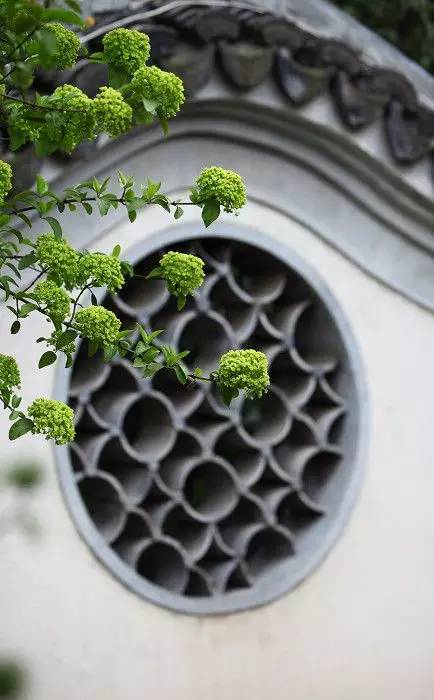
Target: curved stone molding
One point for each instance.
(384, 229)
(202, 508)
(250, 40)
(250, 46)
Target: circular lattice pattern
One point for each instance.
(200, 507)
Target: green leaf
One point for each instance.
(15, 401)
(140, 348)
(154, 335)
(57, 229)
(210, 211)
(180, 302)
(169, 355)
(151, 189)
(150, 355)
(97, 57)
(48, 358)
(143, 334)
(27, 260)
(104, 206)
(87, 207)
(116, 251)
(117, 78)
(226, 393)
(14, 269)
(95, 185)
(17, 138)
(138, 362)
(132, 215)
(41, 185)
(26, 309)
(156, 273)
(180, 374)
(162, 201)
(109, 353)
(198, 372)
(178, 212)
(92, 349)
(25, 218)
(21, 427)
(66, 338)
(150, 105)
(58, 14)
(15, 327)
(45, 147)
(152, 368)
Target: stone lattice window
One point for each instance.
(196, 506)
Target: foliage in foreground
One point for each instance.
(48, 276)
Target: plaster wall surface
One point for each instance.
(362, 625)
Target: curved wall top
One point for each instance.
(355, 136)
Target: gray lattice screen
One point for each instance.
(226, 506)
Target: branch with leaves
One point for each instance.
(47, 275)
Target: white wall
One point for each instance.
(361, 626)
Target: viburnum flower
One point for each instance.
(113, 114)
(244, 370)
(226, 186)
(67, 47)
(164, 89)
(102, 270)
(99, 325)
(78, 123)
(55, 298)
(183, 272)
(58, 256)
(54, 419)
(5, 180)
(20, 125)
(9, 373)
(126, 49)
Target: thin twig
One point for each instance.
(33, 282)
(48, 108)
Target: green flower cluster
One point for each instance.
(57, 300)
(126, 49)
(53, 340)
(225, 186)
(113, 114)
(18, 116)
(59, 257)
(80, 124)
(102, 270)
(67, 47)
(9, 373)
(183, 273)
(164, 89)
(53, 419)
(244, 370)
(99, 325)
(5, 180)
